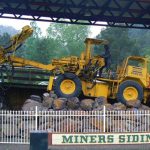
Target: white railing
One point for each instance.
(15, 126)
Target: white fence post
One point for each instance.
(104, 118)
(36, 117)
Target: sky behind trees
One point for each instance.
(18, 24)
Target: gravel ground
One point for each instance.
(104, 147)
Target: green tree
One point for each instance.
(70, 38)
(4, 39)
(45, 50)
(142, 40)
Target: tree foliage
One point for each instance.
(4, 39)
(121, 43)
(70, 38)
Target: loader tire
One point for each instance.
(67, 85)
(129, 90)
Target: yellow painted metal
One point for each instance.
(67, 86)
(95, 89)
(24, 62)
(50, 83)
(102, 87)
(130, 93)
(87, 52)
(97, 59)
(96, 41)
(137, 73)
(128, 72)
(72, 64)
(19, 38)
(89, 42)
(15, 41)
(76, 64)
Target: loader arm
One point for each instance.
(21, 62)
(18, 39)
(14, 43)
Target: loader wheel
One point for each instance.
(128, 91)
(67, 85)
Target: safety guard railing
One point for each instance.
(15, 126)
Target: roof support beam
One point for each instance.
(123, 13)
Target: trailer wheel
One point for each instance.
(129, 90)
(67, 85)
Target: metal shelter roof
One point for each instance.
(124, 13)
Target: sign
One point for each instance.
(98, 138)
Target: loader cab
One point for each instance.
(89, 43)
(135, 67)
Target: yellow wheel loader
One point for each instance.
(73, 75)
(131, 82)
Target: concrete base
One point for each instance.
(102, 147)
